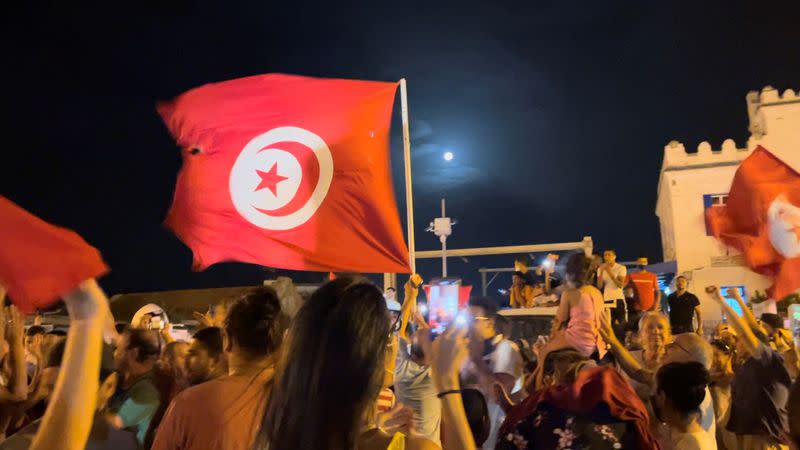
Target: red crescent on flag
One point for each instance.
(310, 176)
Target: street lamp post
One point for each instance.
(442, 227)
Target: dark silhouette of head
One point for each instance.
(681, 387)
(477, 414)
(578, 270)
(254, 323)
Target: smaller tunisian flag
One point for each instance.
(40, 262)
(762, 219)
(289, 172)
(463, 294)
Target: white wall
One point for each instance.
(686, 177)
(693, 248)
(775, 124)
(666, 220)
(723, 276)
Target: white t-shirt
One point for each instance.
(505, 358)
(610, 289)
(708, 420)
(414, 388)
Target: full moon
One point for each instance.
(448, 156)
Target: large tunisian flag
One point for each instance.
(40, 262)
(289, 172)
(762, 219)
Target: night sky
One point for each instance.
(557, 112)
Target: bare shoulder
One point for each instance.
(377, 440)
(420, 443)
(374, 439)
(571, 295)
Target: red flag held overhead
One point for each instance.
(762, 219)
(289, 172)
(40, 262)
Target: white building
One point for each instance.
(691, 182)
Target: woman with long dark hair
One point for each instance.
(331, 372)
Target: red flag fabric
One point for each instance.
(289, 172)
(762, 219)
(40, 262)
(463, 294)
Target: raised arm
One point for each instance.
(409, 302)
(625, 359)
(15, 332)
(746, 312)
(69, 416)
(448, 353)
(17, 389)
(745, 333)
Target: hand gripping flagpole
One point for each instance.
(407, 161)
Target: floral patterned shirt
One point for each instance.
(553, 428)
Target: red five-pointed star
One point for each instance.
(270, 179)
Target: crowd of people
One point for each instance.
(353, 368)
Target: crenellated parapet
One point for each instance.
(677, 156)
(768, 97)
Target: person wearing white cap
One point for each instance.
(153, 317)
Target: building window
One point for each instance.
(719, 199)
(712, 201)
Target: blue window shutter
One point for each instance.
(706, 205)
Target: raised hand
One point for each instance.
(15, 332)
(87, 301)
(205, 320)
(713, 291)
(415, 281)
(734, 294)
(409, 302)
(412, 290)
(448, 353)
(398, 419)
(419, 321)
(539, 345)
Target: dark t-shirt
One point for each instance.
(758, 396)
(681, 311)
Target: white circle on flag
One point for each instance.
(264, 178)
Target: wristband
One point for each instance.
(454, 391)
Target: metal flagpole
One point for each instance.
(407, 161)
(443, 238)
